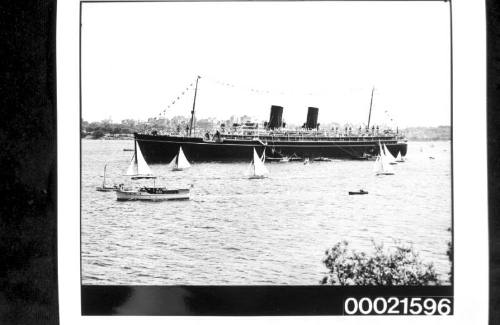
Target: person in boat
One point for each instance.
(217, 137)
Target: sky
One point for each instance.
(141, 60)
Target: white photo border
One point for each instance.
(469, 178)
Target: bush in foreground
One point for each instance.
(399, 266)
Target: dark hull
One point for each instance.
(358, 193)
(162, 149)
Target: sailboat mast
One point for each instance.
(370, 113)
(194, 105)
(135, 151)
(104, 176)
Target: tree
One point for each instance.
(97, 134)
(449, 253)
(400, 266)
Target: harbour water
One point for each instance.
(236, 231)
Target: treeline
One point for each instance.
(127, 127)
(428, 133)
(99, 129)
(103, 128)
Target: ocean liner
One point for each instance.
(272, 139)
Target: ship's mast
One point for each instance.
(194, 105)
(370, 113)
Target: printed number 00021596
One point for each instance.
(398, 306)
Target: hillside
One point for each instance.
(428, 133)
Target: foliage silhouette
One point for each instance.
(399, 266)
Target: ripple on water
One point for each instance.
(275, 231)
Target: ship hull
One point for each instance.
(162, 149)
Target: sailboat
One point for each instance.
(139, 169)
(257, 167)
(179, 162)
(388, 155)
(104, 187)
(382, 166)
(399, 158)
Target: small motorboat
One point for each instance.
(360, 192)
(284, 160)
(365, 156)
(127, 149)
(151, 194)
(322, 159)
(306, 161)
(139, 169)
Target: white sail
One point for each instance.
(377, 167)
(381, 153)
(142, 166)
(179, 162)
(388, 154)
(399, 158)
(173, 163)
(386, 167)
(382, 164)
(132, 168)
(258, 167)
(182, 162)
(138, 167)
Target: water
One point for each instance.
(255, 232)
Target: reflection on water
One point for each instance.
(256, 232)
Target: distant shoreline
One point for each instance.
(132, 138)
(428, 140)
(417, 134)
